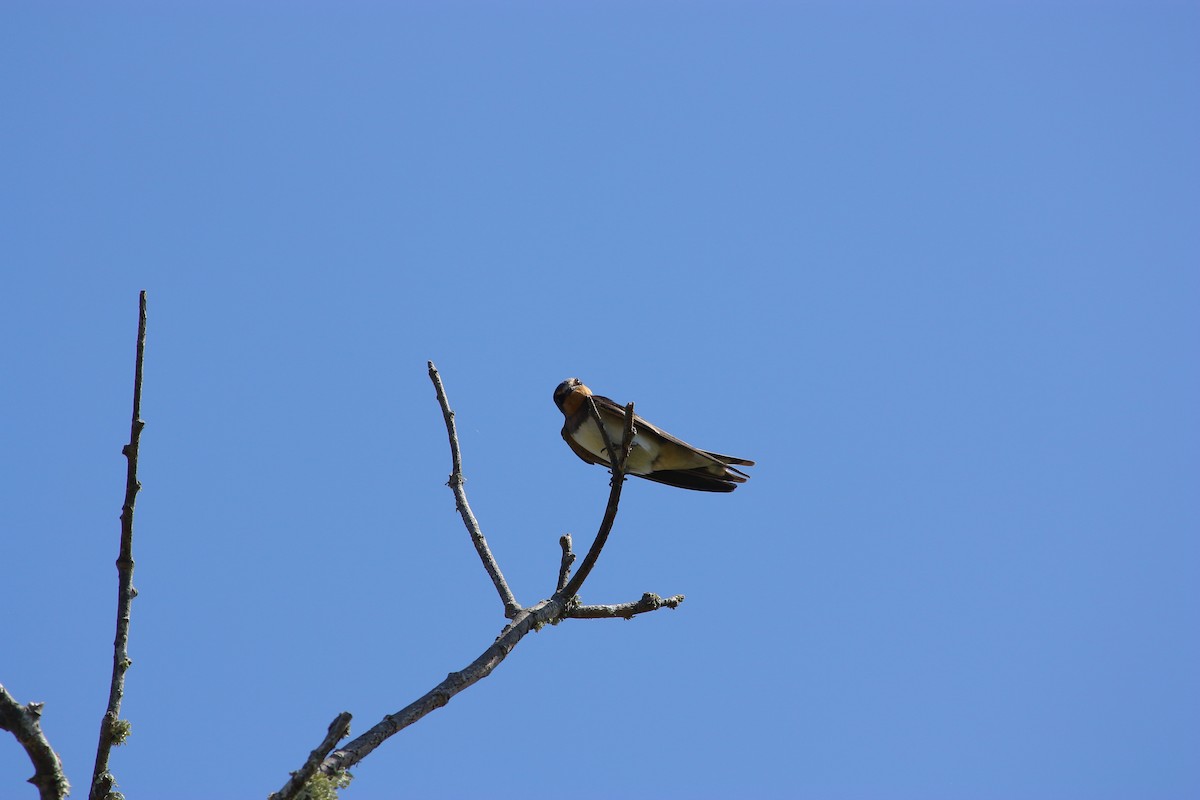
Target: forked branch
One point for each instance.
(561, 605)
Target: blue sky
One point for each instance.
(935, 267)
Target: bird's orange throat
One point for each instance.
(574, 400)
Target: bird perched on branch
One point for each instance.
(656, 455)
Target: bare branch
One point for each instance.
(337, 731)
(527, 619)
(614, 498)
(561, 605)
(511, 607)
(112, 729)
(24, 723)
(649, 602)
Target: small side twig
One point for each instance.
(113, 730)
(568, 558)
(649, 602)
(614, 498)
(337, 731)
(511, 607)
(24, 722)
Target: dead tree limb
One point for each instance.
(563, 604)
(527, 619)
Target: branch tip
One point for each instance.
(112, 733)
(455, 483)
(338, 729)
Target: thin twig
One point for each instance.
(614, 499)
(511, 607)
(337, 731)
(112, 729)
(23, 721)
(649, 602)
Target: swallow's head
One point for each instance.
(570, 394)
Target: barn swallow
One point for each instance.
(656, 455)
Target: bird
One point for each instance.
(656, 455)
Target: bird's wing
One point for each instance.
(610, 407)
(699, 479)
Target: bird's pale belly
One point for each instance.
(641, 456)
